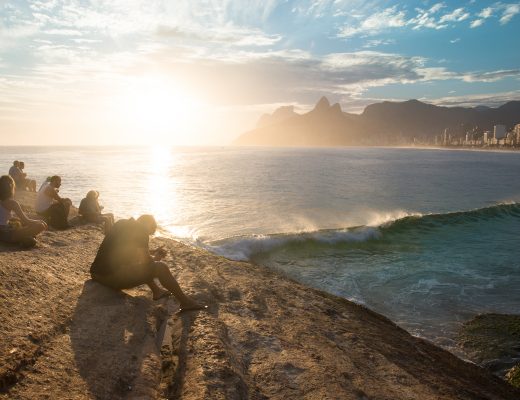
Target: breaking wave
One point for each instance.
(247, 247)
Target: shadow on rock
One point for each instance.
(107, 333)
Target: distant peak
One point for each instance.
(323, 104)
(336, 107)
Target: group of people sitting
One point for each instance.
(52, 210)
(20, 177)
(124, 259)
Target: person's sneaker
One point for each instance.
(28, 243)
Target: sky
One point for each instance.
(201, 72)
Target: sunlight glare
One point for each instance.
(158, 110)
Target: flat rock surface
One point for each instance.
(263, 337)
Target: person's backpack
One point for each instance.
(57, 216)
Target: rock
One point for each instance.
(513, 376)
(492, 340)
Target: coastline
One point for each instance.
(265, 336)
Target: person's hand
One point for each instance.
(159, 253)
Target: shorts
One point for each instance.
(125, 276)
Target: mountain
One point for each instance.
(383, 123)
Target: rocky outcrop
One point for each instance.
(263, 337)
(493, 341)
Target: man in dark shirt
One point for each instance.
(123, 261)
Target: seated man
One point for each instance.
(17, 174)
(123, 261)
(90, 210)
(50, 205)
(28, 184)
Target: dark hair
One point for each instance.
(7, 186)
(147, 219)
(55, 178)
(15, 163)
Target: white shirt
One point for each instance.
(43, 200)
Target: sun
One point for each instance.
(158, 109)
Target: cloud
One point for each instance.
(486, 99)
(510, 10)
(455, 16)
(455, 40)
(388, 18)
(378, 42)
(476, 23)
(238, 36)
(491, 76)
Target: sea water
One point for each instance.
(427, 237)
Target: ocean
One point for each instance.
(427, 237)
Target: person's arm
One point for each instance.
(14, 206)
(52, 193)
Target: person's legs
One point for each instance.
(67, 203)
(108, 221)
(157, 292)
(28, 231)
(162, 272)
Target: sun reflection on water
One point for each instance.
(162, 186)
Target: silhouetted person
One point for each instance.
(90, 210)
(23, 230)
(124, 261)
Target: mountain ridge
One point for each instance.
(385, 123)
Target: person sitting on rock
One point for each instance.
(51, 206)
(90, 210)
(29, 184)
(17, 174)
(22, 230)
(124, 261)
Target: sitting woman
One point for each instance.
(90, 210)
(23, 230)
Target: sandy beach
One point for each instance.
(263, 337)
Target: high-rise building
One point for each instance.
(499, 131)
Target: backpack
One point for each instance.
(57, 216)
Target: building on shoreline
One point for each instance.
(499, 137)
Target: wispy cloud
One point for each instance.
(388, 18)
(238, 36)
(506, 12)
(510, 10)
(432, 18)
(455, 16)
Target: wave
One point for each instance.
(247, 247)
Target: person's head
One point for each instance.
(92, 194)
(148, 221)
(16, 163)
(55, 181)
(7, 187)
(21, 164)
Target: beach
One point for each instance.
(264, 336)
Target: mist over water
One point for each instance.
(429, 238)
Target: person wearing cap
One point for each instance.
(90, 210)
(124, 261)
